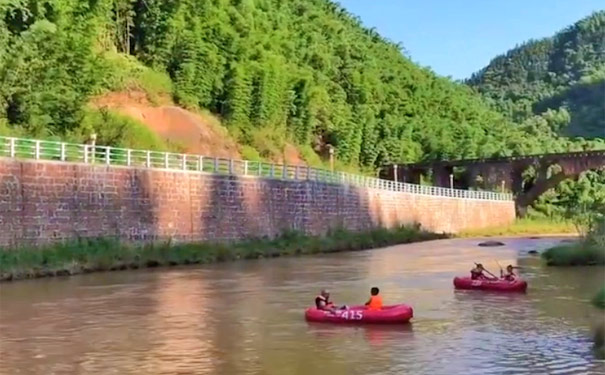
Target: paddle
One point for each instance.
(494, 276)
(484, 269)
(501, 269)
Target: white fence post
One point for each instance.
(37, 152)
(230, 166)
(201, 163)
(86, 154)
(184, 162)
(107, 155)
(63, 151)
(215, 165)
(166, 160)
(128, 157)
(12, 147)
(148, 161)
(245, 167)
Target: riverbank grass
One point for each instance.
(524, 227)
(106, 254)
(588, 250)
(575, 254)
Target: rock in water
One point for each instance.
(491, 243)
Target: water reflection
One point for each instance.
(247, 318)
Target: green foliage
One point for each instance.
(570, 197)
(589, 249)
(103, 254)
(117, 130)
(250, 153)
(599, 299)
(268, 141)
(566, 71)
(297, 71)
(125, 72)
(526, 226)
(555, 86)
(305, 69)
(311, 158)
(574, 255)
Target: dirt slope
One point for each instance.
(192, 132)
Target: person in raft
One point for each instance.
(477, 273)
(322, 302)
(375, 302)
(509, 275)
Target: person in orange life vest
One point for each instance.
(509, 275)
(375, 302)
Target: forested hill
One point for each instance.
(561, 78)
(301, 69)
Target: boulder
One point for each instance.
(491, 244)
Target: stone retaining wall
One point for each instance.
(42, 201)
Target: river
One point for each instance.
(247, 317)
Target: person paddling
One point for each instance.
(509, 275)
(375, 302)
(322, 301)
(477, 273)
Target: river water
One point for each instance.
(247, 317)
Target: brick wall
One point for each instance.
(42, 201)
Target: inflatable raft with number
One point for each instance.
(395, 314)
(495, 285)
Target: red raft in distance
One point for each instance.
(396, 314)
(495, 285)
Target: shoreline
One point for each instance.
(95, 255)
(83, 256)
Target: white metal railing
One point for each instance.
(82, 153)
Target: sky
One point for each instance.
(459, 37)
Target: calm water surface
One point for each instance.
(247, 317)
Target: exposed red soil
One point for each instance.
(191, 132)
(188, 130)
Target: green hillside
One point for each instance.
(562, 77)
(555, 85)
(301, 70)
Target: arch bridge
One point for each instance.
(503, 173)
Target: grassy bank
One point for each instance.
(524, 227)
(599, 299)
(588, 250)
(575, 254)
(104, 254)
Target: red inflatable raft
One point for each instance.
(495, 285)
(395, 314)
